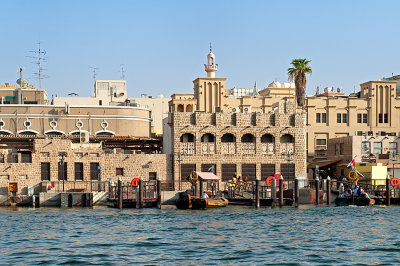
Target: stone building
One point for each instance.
(253, 136)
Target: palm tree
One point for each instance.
(298, 73)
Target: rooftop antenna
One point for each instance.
(122, 71)
(39, 56)
(94, 73)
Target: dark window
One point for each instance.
(267, 170)
(323, 117)
(26, 157)
(318, 118)
(339, 118)
(228, 138)
(288, 170)
(212, 168)
(249, 170)
(341, 148)
(385, 118)
(344, 118)
(62, 171)
(359, 120)
(187, 137)
(30, 102)
(45, 171)
(1, 158)
(365, 118)
(152, 176)
(228, 171)
(100, 102)
(380, 118)
(186, 169)
(94, 174)
(78, 171)
(119, 171)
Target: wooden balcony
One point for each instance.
(248, 148)
(268, 148)
(187, 147)
(208, 148)
(228, 148)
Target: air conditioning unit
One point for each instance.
(84, 137)
(369, 133)
(235, 110)
(217, 109)
(246, 110)
(392, 134)
(381, 133)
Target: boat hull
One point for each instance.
(188, 202)
(358, 201)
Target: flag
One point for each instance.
(211, 169)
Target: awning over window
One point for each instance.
(207, 176)
(322, 163)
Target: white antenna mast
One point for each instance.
(40, 57)
(94, 73)
(122, 71)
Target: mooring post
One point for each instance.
(296, 192)
(141, 193)
(257, 193)
(201, 186)
(119, 194)
(316, 190)
(387, 191)
(281, 192)
(159, 193)
(273, 191)
(328, 191)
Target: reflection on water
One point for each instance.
(346, 235)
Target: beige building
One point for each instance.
(106, 92)
(253, 136)
(374, 111)
(159, 110)
(363, 149)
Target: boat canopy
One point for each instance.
(207, 176)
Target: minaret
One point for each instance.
(211, 67)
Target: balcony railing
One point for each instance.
(248, 148)
(228, 148)
(208, 148)
(287, 147)
(267, 148)
(187, 148)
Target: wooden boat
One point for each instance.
(186, 201)
(358, 201)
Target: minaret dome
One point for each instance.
(210, 67)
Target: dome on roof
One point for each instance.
(274, 84)
(160, 96)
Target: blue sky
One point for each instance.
(164, 44)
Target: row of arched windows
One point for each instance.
(246, 138)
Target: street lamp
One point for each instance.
(62, 155)
(180, 177)
(393, 162)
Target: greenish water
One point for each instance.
(233, 235)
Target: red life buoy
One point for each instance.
(135, 182)
(269, 180)
(395, 181)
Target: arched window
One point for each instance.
(228, 137)
(248, 138)
(181, 108)
(189, 108)
(187, 137)
(267, 138)
(287, 138)
(208, 138)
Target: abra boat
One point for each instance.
(358, 201)
(186, 201)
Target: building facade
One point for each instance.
(251, 136)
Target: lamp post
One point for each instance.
(180, 177)
(62, 155)
(393, 162)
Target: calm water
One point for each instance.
(346, 235)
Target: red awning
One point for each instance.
(207, 176)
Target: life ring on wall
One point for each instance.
(353, 176)
(395, 181)
(269, 179)
(135, 182)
